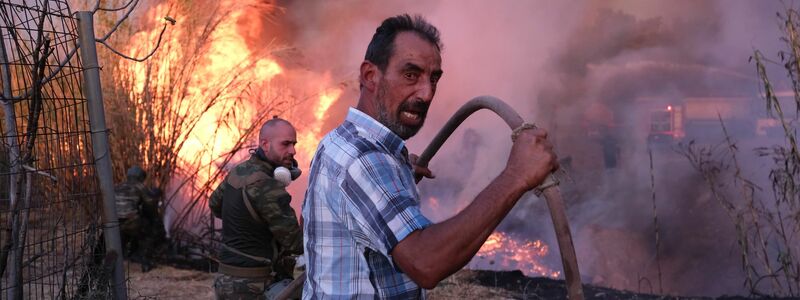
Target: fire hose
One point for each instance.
(549, 188)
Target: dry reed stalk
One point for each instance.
(766, 230)
(655, 220)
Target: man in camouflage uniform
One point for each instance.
(260, 232)
(132, 197)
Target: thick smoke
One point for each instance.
(590, 73)
(615, 68)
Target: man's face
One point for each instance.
(279, 145)
(405, 90)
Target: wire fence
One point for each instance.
(50, 227)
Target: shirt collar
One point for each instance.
(376, 131)
(265, 165)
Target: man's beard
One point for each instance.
(271, 156)
(393, 123)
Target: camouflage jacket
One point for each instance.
(275, 236)
(129, 197)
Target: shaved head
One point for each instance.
(277, 139)
(269, 127)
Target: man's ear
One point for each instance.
(263, 144)
(369, 75)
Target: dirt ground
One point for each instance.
(165, 282)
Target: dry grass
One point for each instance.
(166, 282)
(461, 286)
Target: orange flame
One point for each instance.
(308, 139)
(227, 52)
(509, 253)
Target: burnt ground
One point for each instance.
(515, 285)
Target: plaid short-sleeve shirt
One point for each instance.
(361, 201)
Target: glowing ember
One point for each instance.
(500, 251)
(504, 252)
(433, 203)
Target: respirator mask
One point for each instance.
(286, 175)
(282, 174)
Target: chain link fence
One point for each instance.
(50, 204)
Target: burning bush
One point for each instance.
(186, 113)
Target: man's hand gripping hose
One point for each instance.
(549, 188)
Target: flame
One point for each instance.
(226, 51)
(308, 139)
(209, 140)
(505, 252)
(227, 57)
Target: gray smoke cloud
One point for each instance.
(589, 72)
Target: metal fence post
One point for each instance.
(102, 153)
(11, 133)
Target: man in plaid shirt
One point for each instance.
(364, 234)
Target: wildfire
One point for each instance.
(226, 69)
(500, 251)
(505, 252)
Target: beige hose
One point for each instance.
(549, 188)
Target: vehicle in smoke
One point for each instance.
(699, 118)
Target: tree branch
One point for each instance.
(120, 21)
(158, 43)
(98, 8)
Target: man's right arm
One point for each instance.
(450, 245)
(215, 201)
